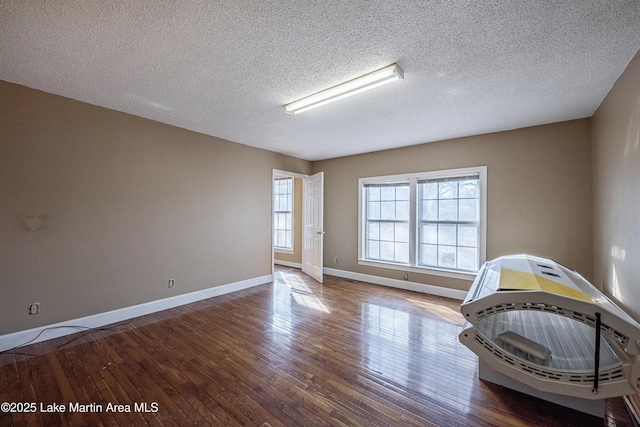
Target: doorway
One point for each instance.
(297, 223)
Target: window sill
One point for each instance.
(421, 270)
(283, 251)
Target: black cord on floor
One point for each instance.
(117, 327)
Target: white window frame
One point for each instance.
(280, 249)
(413, 179)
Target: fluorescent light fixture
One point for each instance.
(368, 81)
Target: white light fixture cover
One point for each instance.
(368, 81)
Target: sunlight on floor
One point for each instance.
(302, 294)
(444, 313)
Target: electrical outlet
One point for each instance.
(34, 308)
(336, 260)
(406, 276)
(172, 283)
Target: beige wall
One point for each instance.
(616, 185)
(296, 256)
(128, 203)
(539, 194)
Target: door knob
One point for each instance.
(320, 232)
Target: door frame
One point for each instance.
(281, 173)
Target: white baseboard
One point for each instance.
(287, 263)
(400, 284)
(43, 333)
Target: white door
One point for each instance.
(312, 225)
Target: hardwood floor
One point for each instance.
(290, 353)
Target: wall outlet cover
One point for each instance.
(34, 308)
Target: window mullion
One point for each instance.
(413, 221)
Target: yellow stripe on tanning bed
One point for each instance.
(513, 280)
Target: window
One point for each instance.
(426, 221)
(449, 222)
(283, 213)
(387, 222)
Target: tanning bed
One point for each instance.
(541, 328)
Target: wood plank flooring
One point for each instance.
(290, 353)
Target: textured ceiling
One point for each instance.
(226, 68)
